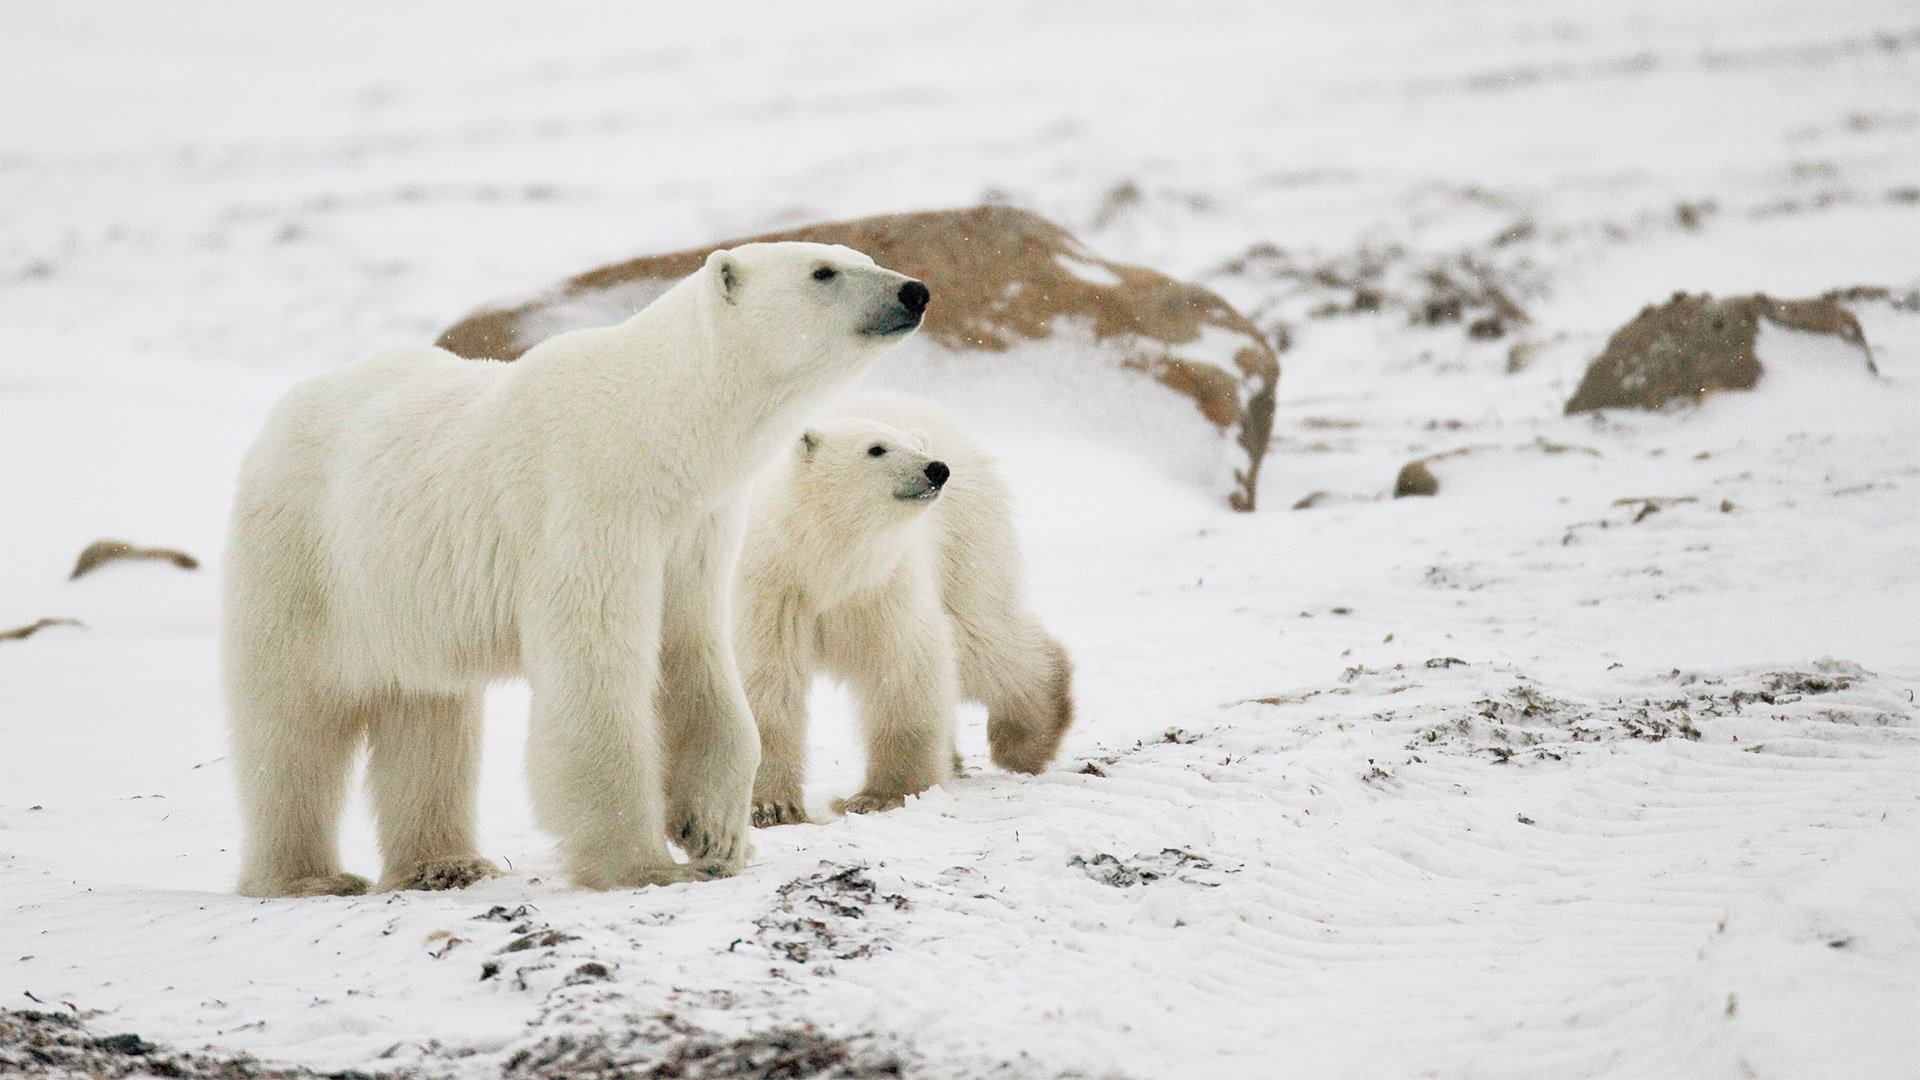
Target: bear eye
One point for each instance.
(824, 273)
(876, 450)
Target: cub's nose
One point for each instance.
(913, 297)
(937, 471)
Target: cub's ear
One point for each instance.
(726, 275)
(919, 440)
(809, 442)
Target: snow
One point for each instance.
(1310, 843)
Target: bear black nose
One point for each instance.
(913, 297)
(937, 471)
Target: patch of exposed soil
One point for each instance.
(1525, 723)
(1467, 288)
(1167, 864)
(62, 1045)
(825, 916)
(666, 1047)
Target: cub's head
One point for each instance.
(810, 304)
(855, 469)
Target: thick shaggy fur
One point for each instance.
(415, 525)
(916, 602)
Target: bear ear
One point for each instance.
(809, 442)
(726, 274)
(919, 440)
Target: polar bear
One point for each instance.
(881, 550)
(415, 525)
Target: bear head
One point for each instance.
(863, 471)
(800, 306)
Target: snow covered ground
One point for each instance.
(1521, 780)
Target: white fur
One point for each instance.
(415, 525)
(914, 602)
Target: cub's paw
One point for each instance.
(868, 803)
(439, 874)
(779, 812)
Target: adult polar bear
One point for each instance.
(881, 550)
(415, 525)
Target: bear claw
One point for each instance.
(766, 814)
(435, 875)
(868, 803)
(719, 854)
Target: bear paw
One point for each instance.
(639, 877)
(435, 875)
(323, 885)
(868, 803)
(720, 851)
(779, 812)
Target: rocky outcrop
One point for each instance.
(1692, 346)
(1019, 309)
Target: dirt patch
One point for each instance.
(1694, 345)
(826, 916)
(62, 1044)
(1523, 723)
(1466, 288)
(999, 276)
(1167, 864)
(666, 1047)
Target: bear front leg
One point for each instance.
(712, 747)
(592, 650)
(776, 660)
(904, 676)
(423, 773)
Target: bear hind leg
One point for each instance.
(291, 754)
(423, 774)
(1029, 708)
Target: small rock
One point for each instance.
(101, 552)
(1415, 479)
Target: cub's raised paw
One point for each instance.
(766, 814)
(868, 803)
(436, 875)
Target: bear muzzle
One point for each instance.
(903, 313)
(926, 486)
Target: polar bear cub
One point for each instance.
(881, 550)
(415, 525)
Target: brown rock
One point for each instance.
(101, 552)
(1693, 345)
(21, 633)
(1000, 278)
